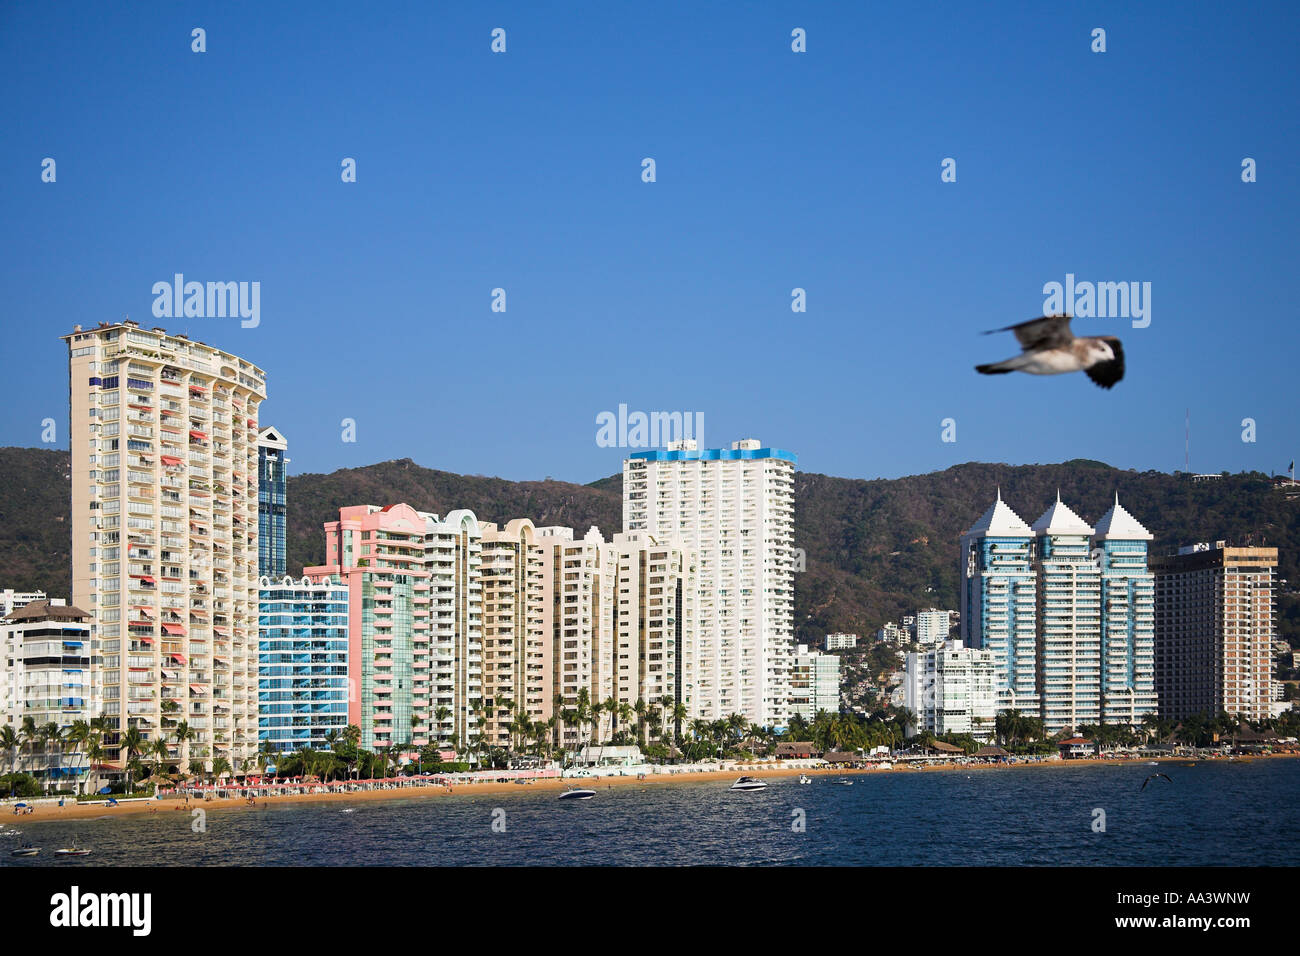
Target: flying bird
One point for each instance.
(1048, 347)
(1152, 777)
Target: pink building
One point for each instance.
(379, 555)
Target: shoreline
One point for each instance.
(45, 813)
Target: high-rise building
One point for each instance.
(47, 667)
(272, 480)
(653, 627)
(1215, 621)
(951, 689)
(1069, 621)
(414, 622)
(998, 603)
(1066, 611)
(378, 555)
(814, 683)
(453, 552)
(516, 665)
(164, 534)
(1128, 690)
(734, 508)
(302, 671)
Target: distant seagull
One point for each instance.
(1152, 777)
(1050, 348)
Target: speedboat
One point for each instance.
(25, 850)
(577, 793)
(844, 783)
(73, 850)
(749, 783)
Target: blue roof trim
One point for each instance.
(717, 454)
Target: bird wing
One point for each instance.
(1144, 784)
(1044, 332)
(1107, 374)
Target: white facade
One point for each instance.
(814, 683)
(932, 627)
(164, 469)
(841, 642)
(11, 600)
(47, 674)
(735, 508)
(951, 689)
(453, 555)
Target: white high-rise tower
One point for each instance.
(735, 508)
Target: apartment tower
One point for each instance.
(735, 509)
(1215, 621)
(165, 535)
(998, 603)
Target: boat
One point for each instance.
(25, 850)
(884, 765)
(804, 778)
(844, 783)
(749, 783)
(73, 850)
(577, 793)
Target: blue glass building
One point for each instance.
(302, 663)
(999, 604)
(272, 479)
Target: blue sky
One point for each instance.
(775, 170)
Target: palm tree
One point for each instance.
(29, 735)
(132, 742)
(159, 749)
(679, 715)
(52, 734)
(639, 707)
(77, 734)
(440, 715)
(220, 765)
(9, 742)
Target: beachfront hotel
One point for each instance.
(951, 689)
(1066, 610)
(735, 509)
(453, 554)
(164, 534)
(377, 554)
(516, 665)
(1215, 621)
(48, 667)
(414, 622)
(302, 663)
(1069, 621)
(1128, 671)
(999, 604)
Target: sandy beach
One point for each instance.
(85, 811)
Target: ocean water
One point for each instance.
(1240, 814)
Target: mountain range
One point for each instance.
(875, 549)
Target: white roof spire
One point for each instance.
(1059, 519)
(1120, 525)
(1000, 521)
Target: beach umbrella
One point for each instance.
(104, 789)
(20, 804)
